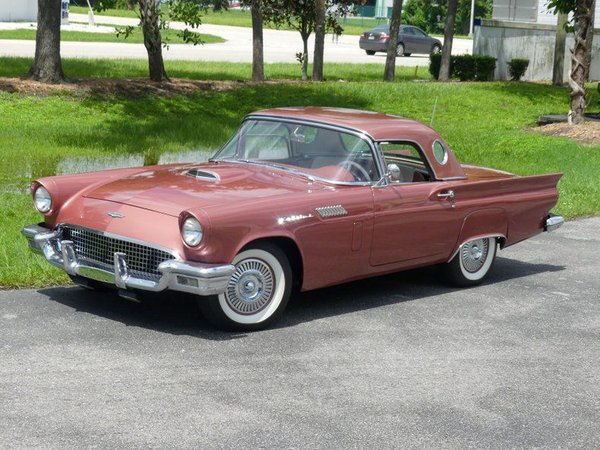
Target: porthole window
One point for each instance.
(440, 153)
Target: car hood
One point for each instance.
(171, 190)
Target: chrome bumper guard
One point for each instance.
(553, 222)
(192, 277)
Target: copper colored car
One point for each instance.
(298, 198)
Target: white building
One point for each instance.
(18, 10)
(527, 29)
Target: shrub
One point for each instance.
(484, 67)
(435, 61)
(517, 68)
(464, 67)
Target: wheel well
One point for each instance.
(291, 250)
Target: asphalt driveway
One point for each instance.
(396, 361)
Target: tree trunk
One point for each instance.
(47, 66)
(150, 20)
(258, 71)
(558, 69)
(390, 60)
(583, 19)
(444, 74)
(317, 74)
(305, 36)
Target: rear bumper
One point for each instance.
(553, 222)
(375, 46)
(192, 277)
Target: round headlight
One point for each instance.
(42, 199)
(191, 231)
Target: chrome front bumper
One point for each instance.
(553, 222)
(192, 277)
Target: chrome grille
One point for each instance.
(91, 245)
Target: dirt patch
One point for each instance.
(127, 87)
(586, 133)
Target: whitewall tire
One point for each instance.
(257, 292)
(472, 262)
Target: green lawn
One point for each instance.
(239, 18)
(485, 123)
(195, 70)
(136, 37)
(234, 17)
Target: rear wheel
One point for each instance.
(370, 52)
(471, 263)
(400, 49)
(257, 292)
(407, 54)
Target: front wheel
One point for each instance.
(436, 49)
(471, 263)
(370, 52)
(257, 292)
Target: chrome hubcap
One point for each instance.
(251, 286)
(474, 254)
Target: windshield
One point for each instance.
(314, 151)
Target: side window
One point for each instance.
(405, 162)
(419, 32)
(409, 31)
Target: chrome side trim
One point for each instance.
(553, 222)
(482, 236)
(331, 211)
(176, 275)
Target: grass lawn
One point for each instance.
(239, 18)
(485, 123)
(194, 70)
(136, 37)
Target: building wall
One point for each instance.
(18, 10)
(507, 40)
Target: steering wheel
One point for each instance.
(356, 170)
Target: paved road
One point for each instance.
(279, 46)
(396, 361)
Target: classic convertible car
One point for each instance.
(298, 198)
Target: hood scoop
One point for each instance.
(203, 175)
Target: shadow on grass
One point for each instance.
(177, 314)
(156, 124)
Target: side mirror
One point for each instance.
(393, 172)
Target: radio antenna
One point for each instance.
(433, 112)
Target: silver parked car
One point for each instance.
(410, 40)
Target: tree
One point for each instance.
(444, 74)
(390, 60)
(47, 65)
(300, 15)
(581, 54)
(319, 40)
(154, 18)
(258, 72)
(429, 15)
(558, 68)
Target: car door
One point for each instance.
(422, 41)
(408, 38)
(414, 218)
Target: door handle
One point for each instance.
(448, 194)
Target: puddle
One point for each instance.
(16, 177)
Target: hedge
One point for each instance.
(465, 67)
